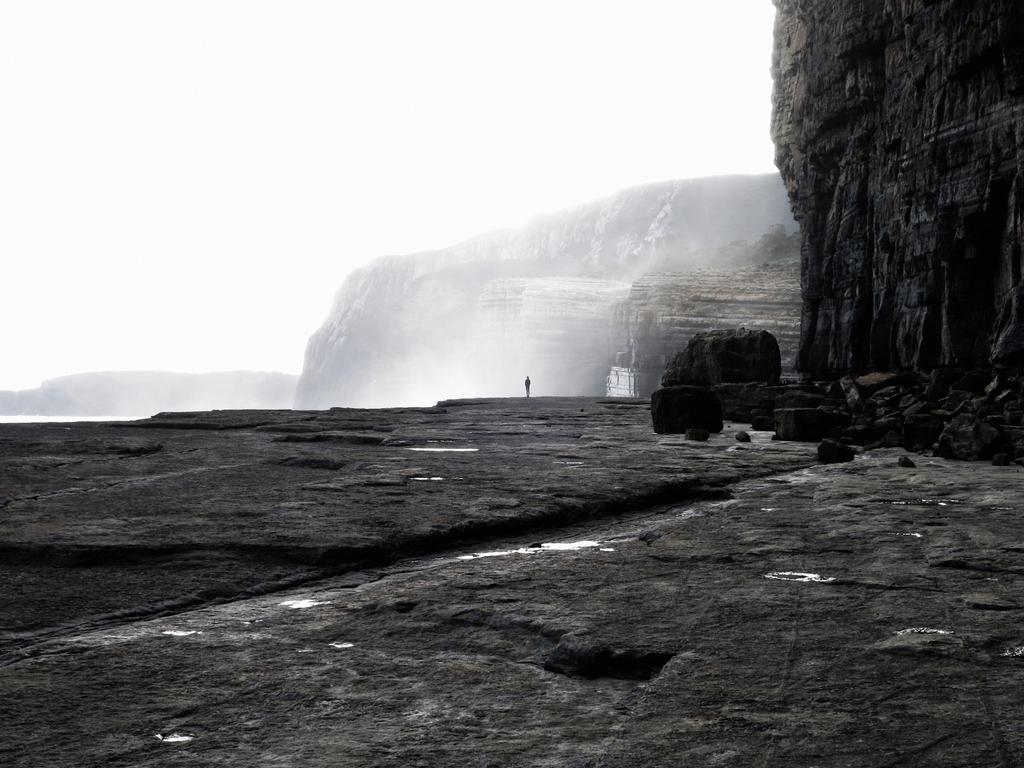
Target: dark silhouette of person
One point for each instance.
(527, 383)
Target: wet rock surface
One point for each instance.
(859, 614)
(184, 508)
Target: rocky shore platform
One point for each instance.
(539, 582)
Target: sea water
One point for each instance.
(20, 419)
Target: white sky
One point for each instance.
(184, 185)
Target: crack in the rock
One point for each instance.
(127, 482)
(333, 561)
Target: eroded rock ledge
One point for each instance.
(897, 127)
(184, 508)
(865, 614)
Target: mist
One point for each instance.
(136, 394)
(551, 300)
(187, 185)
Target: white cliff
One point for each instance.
(476, 318)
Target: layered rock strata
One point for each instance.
(478, 317)
(898, 133)
(664, 311)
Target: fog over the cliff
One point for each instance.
(476, 318)
(184, 185)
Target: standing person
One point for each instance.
(527, 383)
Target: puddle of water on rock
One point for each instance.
(563, 546)
(806, 578)
(915, 535)
(304, 650)
(1013, 653)
(305, 603)
(427, 479)
(445, 450)
(923, 502)
(557, 546)
(607, 549)
(569, 463)
(685, 514)
(342, 646)
(923, 631)
(173, 738)
(181, 632)
(115, 638)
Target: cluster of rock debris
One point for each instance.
(731, 376)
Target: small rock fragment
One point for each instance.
(851, 393)
(742, 437)
(650, 536)
(834, 452)
(906, 461)
(696, 433)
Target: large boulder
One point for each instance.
(740, 400)
(834, 452)
(807, 424)
(968, 437)
(678, 409)
(733, 356)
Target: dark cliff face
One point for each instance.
(899, 127)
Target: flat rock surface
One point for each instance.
(571, 593)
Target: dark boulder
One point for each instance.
(674, 410)
(726, 356)
(870, 383)
(742, 437)
(848, 387)
(968, 437)
(940, 381)
(801, 398)
(864, 434)
(1013, 413)
(921, 429)
(698, 433)
(906, 462)
(762, 421)
(807, 425)
(887, 397)
(834, 452)
(740, 400)
(973, 381)
(1015, 441)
